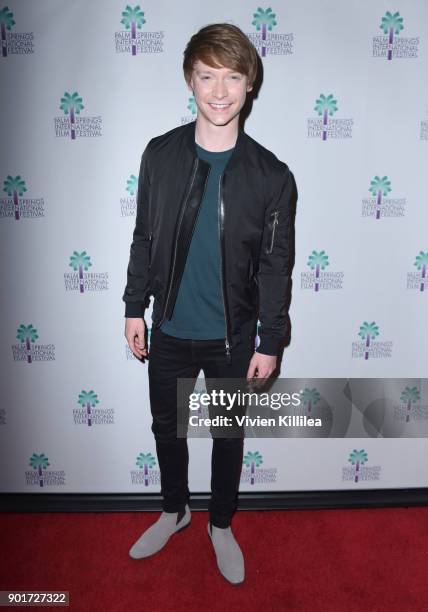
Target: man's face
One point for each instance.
(219, 92)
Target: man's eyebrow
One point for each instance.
(199, 70)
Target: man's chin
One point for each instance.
(223, 120)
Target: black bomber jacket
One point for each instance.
(256, 206)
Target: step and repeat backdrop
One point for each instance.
(344, 102)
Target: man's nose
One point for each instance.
(220, 89)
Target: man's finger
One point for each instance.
(140, 340)
(138, 352)
(251, 371)
(135, 348)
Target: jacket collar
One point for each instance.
(238, 152)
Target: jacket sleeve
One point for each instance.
(276, 263)
(136, 296)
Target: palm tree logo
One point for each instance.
(253, 460)
(391, 23)
(132, 184)
(39, 463)
(264, 18)
(80, 261)
(325, 105)
(409, 395)
(72, 104)
(27, 334)
(88, 399)
(310, 397)
(133, 18)
(317, 261)
(367, 331)
(379, 187)
(192, 105)
(421, 263)
(145, 461)
(14, 186)
(357, 458)
(6, 22)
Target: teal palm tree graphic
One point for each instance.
(80, 261)
(39, 463)
(367, 331)
(317, 261)
(264, 18)
(391, 23)
(27, 334)
(253, 460)
(357, 458)
(132, 184)
(192, 105)
(379, 187)
(6, 23)
(72, 103)
(409, 395)
(14, 186)
(88, 399)
(310, 397)
(145, 462)
(325, 105)
(133, 18)
(421, 263)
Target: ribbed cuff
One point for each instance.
(269, 345)
(134, 309)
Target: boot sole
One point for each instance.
(227, 579)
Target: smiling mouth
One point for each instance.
(219, 106)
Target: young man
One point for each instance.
(214, 244)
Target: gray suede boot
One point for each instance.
(230, 560)
(158, 534)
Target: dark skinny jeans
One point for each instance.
(171, 358)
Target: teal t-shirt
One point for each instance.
(198, 312)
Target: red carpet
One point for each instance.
(313, 560)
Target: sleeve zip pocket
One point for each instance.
(150, 249)
(275, 215)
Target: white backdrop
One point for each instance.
(78, 107)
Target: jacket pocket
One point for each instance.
(273, 225)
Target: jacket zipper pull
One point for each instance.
(228, 355)
(274, 224)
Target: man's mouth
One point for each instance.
(219, 106)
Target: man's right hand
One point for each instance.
(135, 330)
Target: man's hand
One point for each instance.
(264, 364)
(135, 329)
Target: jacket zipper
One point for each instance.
(195, 166)
(196, 218)
(274, 224)
(221, 237)
(150, 249)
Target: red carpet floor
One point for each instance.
(372, 560)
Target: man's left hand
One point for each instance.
(261, 366)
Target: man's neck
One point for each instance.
(216, 137)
